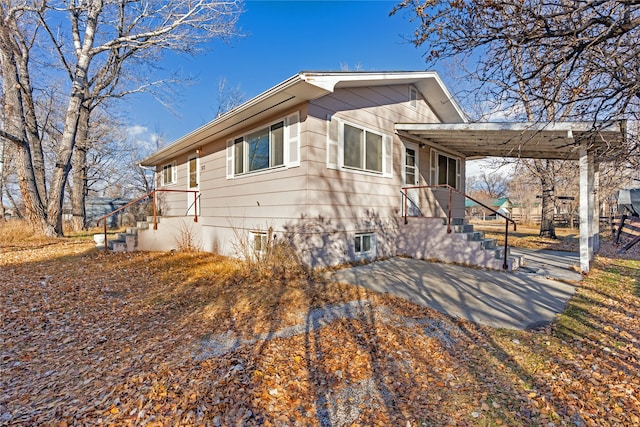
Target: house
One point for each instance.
(501, 205)
(337, 164)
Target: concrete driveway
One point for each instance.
(521, 300)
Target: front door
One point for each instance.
(193, 183)
(411, 177)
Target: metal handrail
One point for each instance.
(153, 194)
(451, 190)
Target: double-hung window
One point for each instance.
(352, 147)
(168, 175)
(272, 146)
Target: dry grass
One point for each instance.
(527, 236)
(114, 338)
(20, 233)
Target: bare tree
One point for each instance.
(487, 186)
(103, 42)
(541, 62)
(228, 97)
(592, 38)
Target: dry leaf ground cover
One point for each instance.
(162, 339)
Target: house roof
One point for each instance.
(306, 86)
(560, 140)
(495, 203)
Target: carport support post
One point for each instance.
(595, 229)
(586, 207)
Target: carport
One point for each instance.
(586, 142)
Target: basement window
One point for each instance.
(365, 245)
(259, 242)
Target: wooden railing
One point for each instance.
(627, 227)
(153, 194)
(452, 190)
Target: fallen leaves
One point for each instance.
(120, 339)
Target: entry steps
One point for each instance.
(462, 226)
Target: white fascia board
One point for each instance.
(428, 83)
(294, 88)
(568, 128)
(306, 86)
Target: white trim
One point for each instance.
(412, 146)
(190, 199)
(371, 253)
(290, 147)
(264, 242)
(335, 124)
(174, 174)
(437, 168)
(292, 140)
(413, 97)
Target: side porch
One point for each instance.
(580, 141)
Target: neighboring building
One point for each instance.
(321, 160)
(501, 205)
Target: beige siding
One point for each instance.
(319, 209)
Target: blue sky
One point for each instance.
(282, 38)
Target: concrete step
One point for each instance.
(500, 252)
(132, 230)
(142, 225)
(458, 221)
(117, 245)
(463, 228)
(489, 243)
(475, 236)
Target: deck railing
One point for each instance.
(154, 195)
(452, 190)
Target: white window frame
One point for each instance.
(435, 168)
(173, 167)
(264, 242)
(336, 142)
(413, 97)
(361, 237)
(290, 147)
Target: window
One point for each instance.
(362, 149)
(168, 174)
(351, 147)
(193, 173)
(259, 241)
(262, 149)
(365, 245)
(273, 146)
(446, 170)
(413, 97)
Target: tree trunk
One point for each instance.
(2, 142)
(79, 189)
(547, 227)
(15, 126)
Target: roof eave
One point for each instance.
(306, 86)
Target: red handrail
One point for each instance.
(451, 190)
(155, 204)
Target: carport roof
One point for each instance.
(524, 139)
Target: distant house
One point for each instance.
(341, 165)
(501, 205)
(97, 207)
